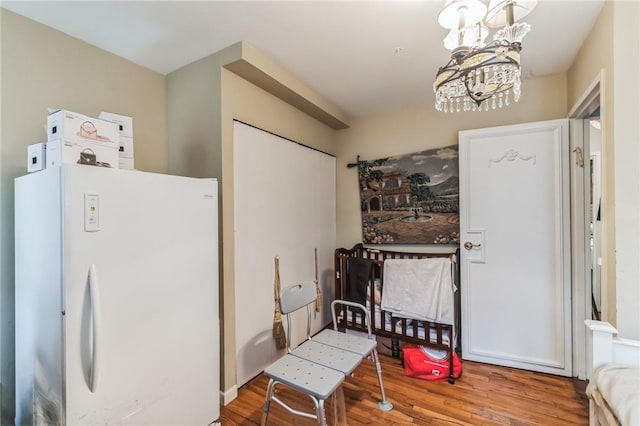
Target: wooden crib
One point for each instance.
(443, 337)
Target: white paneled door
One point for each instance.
(515, 237)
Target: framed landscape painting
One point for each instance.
(411, 199)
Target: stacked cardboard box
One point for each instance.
(125, 128)
(36, 157)
(77, 138)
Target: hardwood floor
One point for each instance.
(483, 395)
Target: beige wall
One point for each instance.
(613, 47)
(203, 100)
(626, 134)
(422, 127)
(44, 68)
(193, 129)
(596, 54)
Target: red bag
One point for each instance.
(425, 363)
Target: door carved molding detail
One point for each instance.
(512, 155)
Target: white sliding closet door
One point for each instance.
(284, 203)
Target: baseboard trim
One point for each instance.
(229, 395)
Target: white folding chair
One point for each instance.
(298, 370)
(314, 367)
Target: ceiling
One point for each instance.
(364, 56)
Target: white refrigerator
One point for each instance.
(116, 298)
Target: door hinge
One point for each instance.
(579, 157)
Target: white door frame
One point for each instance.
(580, 288)
(580, 254)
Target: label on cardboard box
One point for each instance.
(81, 152)
(124, 122)
(71, 126)
(35, 157)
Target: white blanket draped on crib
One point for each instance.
(419, 288)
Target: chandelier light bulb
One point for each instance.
(473, 36)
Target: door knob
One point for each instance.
(469, 245)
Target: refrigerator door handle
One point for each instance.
(95, 320)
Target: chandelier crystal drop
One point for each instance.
(481, 76)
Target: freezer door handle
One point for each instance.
(95, 321)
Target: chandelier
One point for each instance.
(481, 76)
